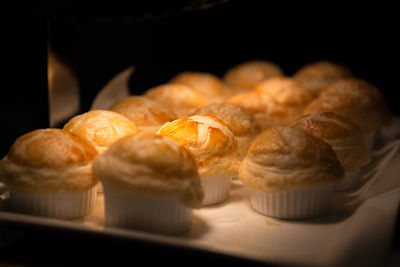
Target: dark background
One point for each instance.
(163, 38)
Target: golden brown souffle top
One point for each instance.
(355, 99)
(144, 111)
(209, 139)
(101, 128)
(316, 76)
(250, 73)
(182, 99)
(208, 85)
(285, 158)
(345, 138)
(276, 101)
(240, 120)
(47, 160)
(150, 164)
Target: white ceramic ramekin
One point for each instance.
(62, 204)
(216, 189)
(298, 203)
(159, 214)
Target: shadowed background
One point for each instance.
(162, 38)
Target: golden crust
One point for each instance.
(147, 163)
(208, 85)
(101, 128)
(284, 92)
(241, 121)
(250, 73)
(255, 103)
(357, 100)
(50, 148)
(284, 158)
(276, 101)
(209, 139)
(345, 138)
(47, 160)
(179, 97)
(144, 111)
(315, 76)
(250, 100)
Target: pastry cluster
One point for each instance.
(291, 140)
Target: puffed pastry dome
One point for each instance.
(257, 104)
(345, 138)
(240, 121)
(250, 73)
(182, 99)
(355, 99)
(274, 101)
(148, 115)
(209, 139)
(285, 158)
(101, 128)
(146, 163)
(316, 76)
(208, 85)
(48, 160)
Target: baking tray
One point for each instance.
(357, 231)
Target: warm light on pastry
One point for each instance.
(290, 173)
(250, 73)
(215, 149)
(147, 114)
(316, 76)
(101, 128)
(209, 139)
(208, 85)
(257, 104)
(276, 101)
(150, 183)
(345, 138)
(284, 158)
(284, 92)
(146, 163)
(355, 99)
(49, 173)
(49, 160)
(179, 97)
(241, 121)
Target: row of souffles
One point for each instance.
(168, 215)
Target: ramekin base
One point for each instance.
(298, 203)
(61, 205)
(160, 214)
(216, 189)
